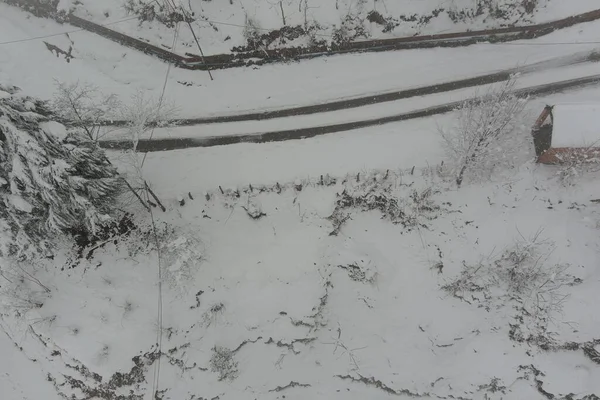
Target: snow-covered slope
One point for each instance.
(265, 295)
(223, 25)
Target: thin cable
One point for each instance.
(156, 376)
(63, 33)
(164, 88)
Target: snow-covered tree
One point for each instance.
(84, 107)
(488, 133)
(51, 180)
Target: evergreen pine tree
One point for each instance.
(51, 180)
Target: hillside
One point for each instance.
(223, 26)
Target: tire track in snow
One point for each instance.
(154, 145)
(378, 98)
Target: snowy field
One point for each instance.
(346, 266)
(277, 305)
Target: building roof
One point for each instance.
(576, 125)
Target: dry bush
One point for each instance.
(20, 289)
(360, 271)
(163, 12)
(223, 363)
(252, 32)
(83, 106)
(212, 315)
(576, 163)
(403, 205)
(520, 276)
(351, 28)
(181, 257)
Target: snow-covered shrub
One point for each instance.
(20, 290)
(143, 113)
(253, 208)
(577, 162)
(211, 316)
(82, 106)
(507, 10)
(181, 251)
(162, 11)
(409, 207)
(489, 133)
(360, 271)
(251, 32)
(351, 28)
(181, 255)
(520, 277)
(223, 362)
(51, 180)
(43, 8)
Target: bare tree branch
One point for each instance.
(485, 127)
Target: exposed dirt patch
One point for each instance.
(86, 244)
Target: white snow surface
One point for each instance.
(279, 293)
(576, 125)
(20, 379)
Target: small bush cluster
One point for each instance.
(496, 9)
(411, 210)
(521, 277)
(154, 10)
(223, 363)
(351, 28)
(360, 271)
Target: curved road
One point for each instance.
(303, 133)
(389, 96)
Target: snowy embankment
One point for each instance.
(223, 26)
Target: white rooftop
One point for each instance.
(576, 125)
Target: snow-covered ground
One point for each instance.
(319, 268)
(290, 309)
(20, 378)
